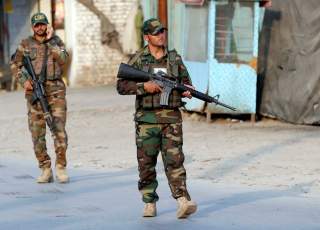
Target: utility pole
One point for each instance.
(163, 12)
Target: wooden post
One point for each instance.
(163, 12)
(253, 118)
(208, 113)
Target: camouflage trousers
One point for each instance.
(150, 140)
(55, 91)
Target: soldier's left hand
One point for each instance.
(188, 93)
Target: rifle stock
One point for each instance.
(130, 73)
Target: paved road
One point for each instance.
(98, 199)
(242, 176)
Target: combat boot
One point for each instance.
(46, 176)
(185, 207)
(150, 210)
(61, 174)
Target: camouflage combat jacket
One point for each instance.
(56, 58)
(148, 108)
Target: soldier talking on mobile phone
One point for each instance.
(47, 55)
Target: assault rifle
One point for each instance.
(130, 73)
(39, 93)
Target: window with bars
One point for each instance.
(234, 28)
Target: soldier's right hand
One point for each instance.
(152, 87)
(28, 85)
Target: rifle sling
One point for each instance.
(43, 73)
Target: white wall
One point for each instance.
(94, 63)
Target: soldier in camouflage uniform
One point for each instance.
(48, 54)
(159, 128)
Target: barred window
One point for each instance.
(234, 31)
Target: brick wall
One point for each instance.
(97, 63)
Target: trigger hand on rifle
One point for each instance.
(152, 87)
(188, 93)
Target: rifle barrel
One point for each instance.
(204, 97)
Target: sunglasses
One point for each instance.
(159, 32)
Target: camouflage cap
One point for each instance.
(39, 18)
(152, 26)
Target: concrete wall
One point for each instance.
(94, 63)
